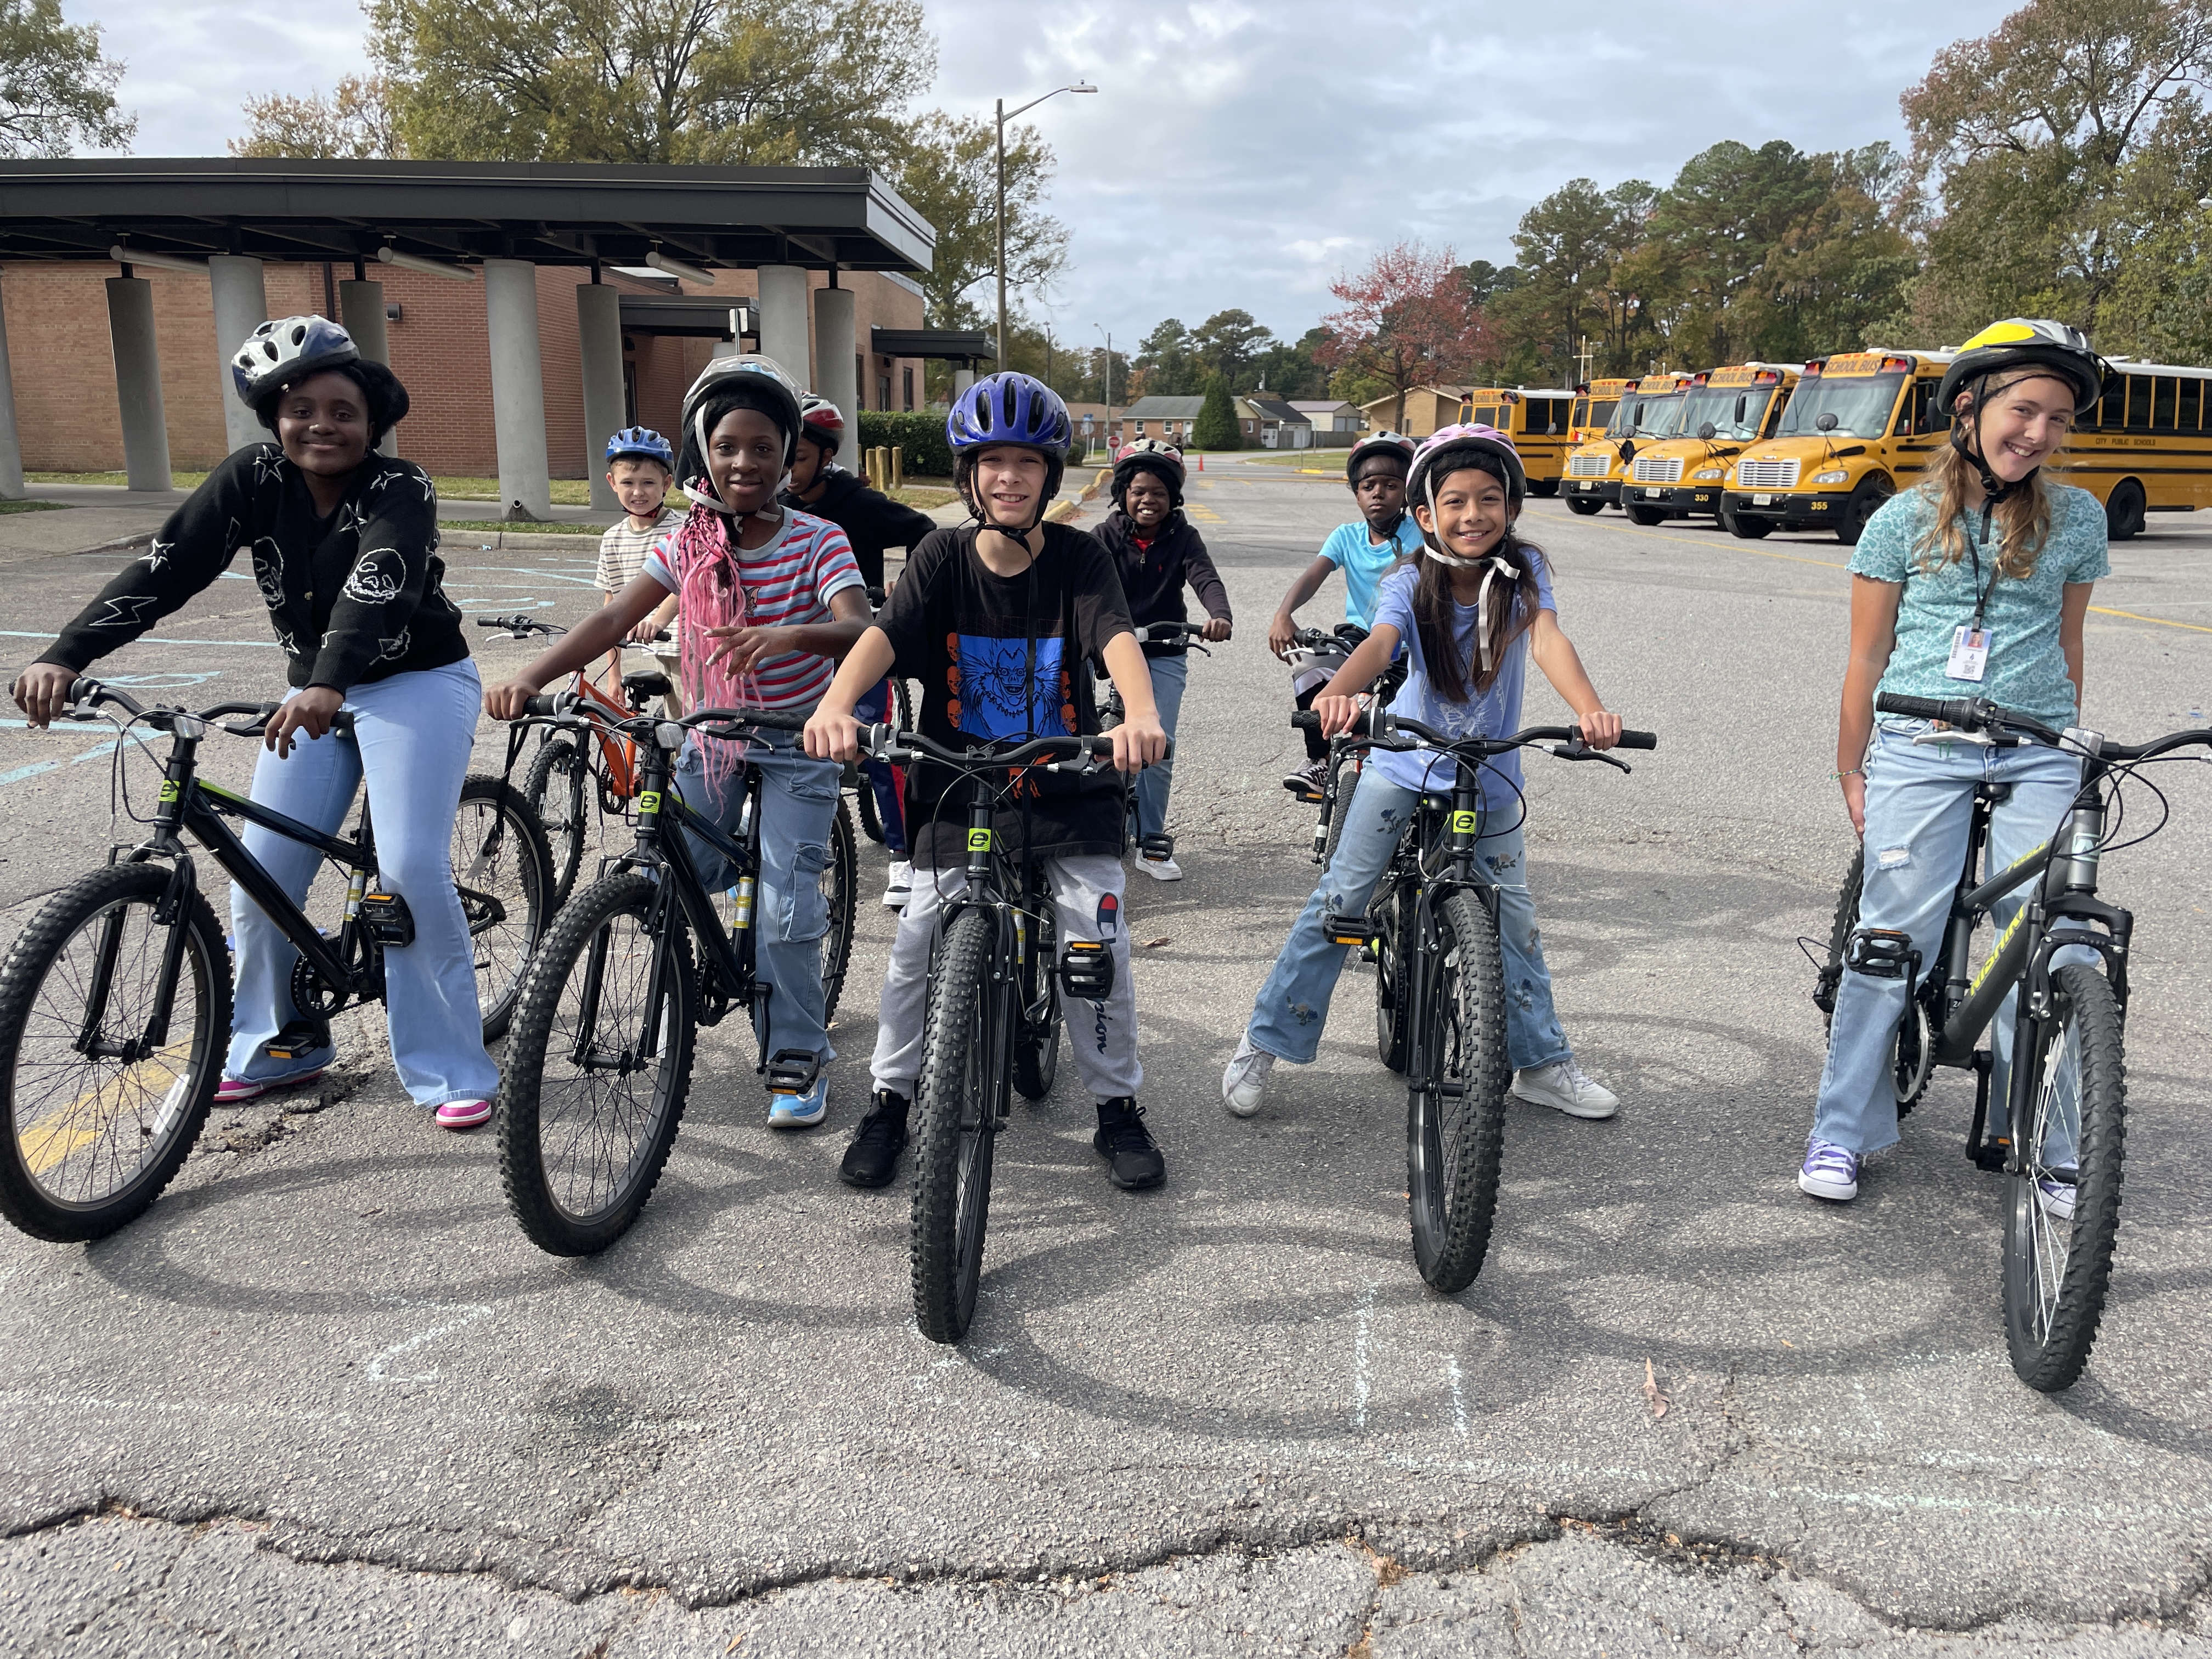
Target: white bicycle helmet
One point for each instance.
(287, 350)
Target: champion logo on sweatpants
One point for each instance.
(1110, 917)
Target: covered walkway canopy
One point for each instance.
(466, 220)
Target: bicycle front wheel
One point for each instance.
(2056, 1265)
(595, 1074)
(1456, 1115)
(504, 874)
(102, 1105)
(839, 882)
(955, 1108)
(558, 789)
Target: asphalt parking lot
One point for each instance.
(324, 1397)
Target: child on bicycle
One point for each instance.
(344, 542)
(769, 597)
(1375, 469)
(1156, 551)
(995, 620)
(1975, 583)
(640, 464)
(871, 522)
(1472, 611)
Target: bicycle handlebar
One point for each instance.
(95, 693)
(888, 742)
(521, 627)
(1382, 727)
(568, 708)
(1980, 714)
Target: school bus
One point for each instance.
(1596, 469)
(1859, 427)
(1594, 406)
(1723, 410)
(2147, 447)
(1536, 420)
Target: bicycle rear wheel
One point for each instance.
(97, 1128)
(2056, 1270)
(955, 1111)
(1394, 970)
(504, 874)
(839, 882)
(558, 789)
(595, 1074)
(1910, 1059)
(1455, 1129)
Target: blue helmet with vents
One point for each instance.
(1009, 408)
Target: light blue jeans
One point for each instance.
(411, 737)
(1293, 1004)
(1170, 674)
(1919, 807)
(798, 800)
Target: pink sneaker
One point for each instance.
(232, 1090)
(464, 1113)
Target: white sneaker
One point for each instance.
(900, 887)
(2057, 1197)
(1160, 869)
(1566, 1087)
(1246, 1079)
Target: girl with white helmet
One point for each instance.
(771, 598)
(344, 542)
(1473, 610)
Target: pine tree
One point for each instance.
(1217, 426)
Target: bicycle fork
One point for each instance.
(1426, 1065)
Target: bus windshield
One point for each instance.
(1599, 412)
(1734, 411)
(1641, 417)
(1861, 407)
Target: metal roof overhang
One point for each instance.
(700, 317)
(968, 345)
(548, 213)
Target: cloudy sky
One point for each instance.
(1243, 155)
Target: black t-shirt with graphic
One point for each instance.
(1001, 659)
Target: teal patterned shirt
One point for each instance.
(2026, 669)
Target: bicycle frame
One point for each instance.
(991, 875)
(1452, 825)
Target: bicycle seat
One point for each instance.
(642, 683)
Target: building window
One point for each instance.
(883, 391)
(907, 373)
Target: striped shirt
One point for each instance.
(623, 548)
(786, 584)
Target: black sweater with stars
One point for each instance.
(355, 597)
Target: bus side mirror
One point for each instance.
(1708, 431)
(1827, 422)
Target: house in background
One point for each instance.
(1280, 425)
(1427, 408)
(1335, 422)
(1168, 420)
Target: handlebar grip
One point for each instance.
(1638, 740)
(82, 688)
(1952, 711)
(776, 720)
(1306, 720)
(541, 705)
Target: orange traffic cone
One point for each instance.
(1201, 460)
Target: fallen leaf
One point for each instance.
(1787, 1343)
(379, 1210)
(1659, 1402)
(1155, 944)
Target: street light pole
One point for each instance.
(1005, 115)
(1109, 384)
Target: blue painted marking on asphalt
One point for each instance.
(31, 771)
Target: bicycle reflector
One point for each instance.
(1086, 970)
(1345, 930)
(385, 917)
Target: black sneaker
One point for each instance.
(872, 1159)
(1309, 781)
(1135, 1160)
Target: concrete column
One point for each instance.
(518, 386)
(598, 331)
(783, 328)
(962, 380)
(726, 348)
(138, 382)
(361, 309)
(838, 379)
(11, 445)
(242, 305)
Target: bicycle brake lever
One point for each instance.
(1581, 751)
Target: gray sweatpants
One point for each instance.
(1105, 1033)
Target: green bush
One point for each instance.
(1217, 427)
(920, 435)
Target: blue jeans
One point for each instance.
(890, 812)
(412, 735)
(798, 800)
(1293, 1004)
(1919, 806)
(1168, 676)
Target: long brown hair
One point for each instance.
(2022, 517)
(1514, 612)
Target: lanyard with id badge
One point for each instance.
(1969, 641)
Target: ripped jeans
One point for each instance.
(1293, 1005)
(1919, 808)
(798, 802)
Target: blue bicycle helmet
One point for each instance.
(641, 440)
(1009, 408)
(286, 349)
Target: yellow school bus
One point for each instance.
(1536, 420)
(1858, 428)
(1595, 401)
(1723, 410)
(2147, 449)
(1596, 469)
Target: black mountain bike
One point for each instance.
(900, 714)
(1431, 929)
(2067, 1080)
(991, 1027)
(115, 1001)
(1110, 713)
(604, 1031)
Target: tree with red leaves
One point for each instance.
(1407, 321)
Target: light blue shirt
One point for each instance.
(2026, 667)
(1364, 563)
(1495, 713)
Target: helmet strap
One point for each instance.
(1967, 438)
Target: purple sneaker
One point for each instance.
(1829, 1172)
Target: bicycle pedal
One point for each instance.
(385, 918)
(793, 1072)
(1881, 953)
(1086, 970)
(1349, 930)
